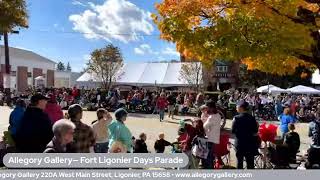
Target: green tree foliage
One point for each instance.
(60, 66)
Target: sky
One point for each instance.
(69, 30)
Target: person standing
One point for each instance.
(212, 129)
(35, 131)
(161, 143)
(119, 132)
(161, 105)
(171, 105)
(84, 139)
(245, 129)
(285, 119)
(53, 110)
(100, 129)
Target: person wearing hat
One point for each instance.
(83, 138)
(53, 109)
(35, 131)
(119, 132)
(245, 128)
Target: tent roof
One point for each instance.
(265, 88)
(303, 90)
(276, 89)
(145, 74)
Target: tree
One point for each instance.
(275, 36)
(13, 13)
(105, 63)
(60, 66)
(192, 73)
(69, 67)
(256, 78)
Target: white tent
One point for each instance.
(145, 74)
(277, 90)
(303, 90)
(316, 77)
(265, 89)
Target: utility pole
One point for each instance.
(6, 75)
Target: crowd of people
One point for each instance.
(38, 124)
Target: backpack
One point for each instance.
(200, 148)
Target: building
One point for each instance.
(222, 75)
(65, 79)
(26, 66)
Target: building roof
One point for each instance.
(14, 50)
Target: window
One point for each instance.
(29, 74)
(222, 69)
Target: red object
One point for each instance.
(221, 150)
(268, 132)
(54, 112)
(75, 92)
(162, 103)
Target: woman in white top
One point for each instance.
(100, 129)
(212, 129)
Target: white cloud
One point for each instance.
(145, 49)
(138, 51)
(114, 20)
(170, 51)
(78, 3)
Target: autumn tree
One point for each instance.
(13, 14)
(273, 36)
(105, 63)
(192, 74)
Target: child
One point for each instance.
(161, 144)
(140, 145)
(292, 141)
(204, 113)
(101, 131)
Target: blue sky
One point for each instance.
(68, 30)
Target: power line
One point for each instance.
(89, 33)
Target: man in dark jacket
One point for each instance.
(245, 129)
(35, 131)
